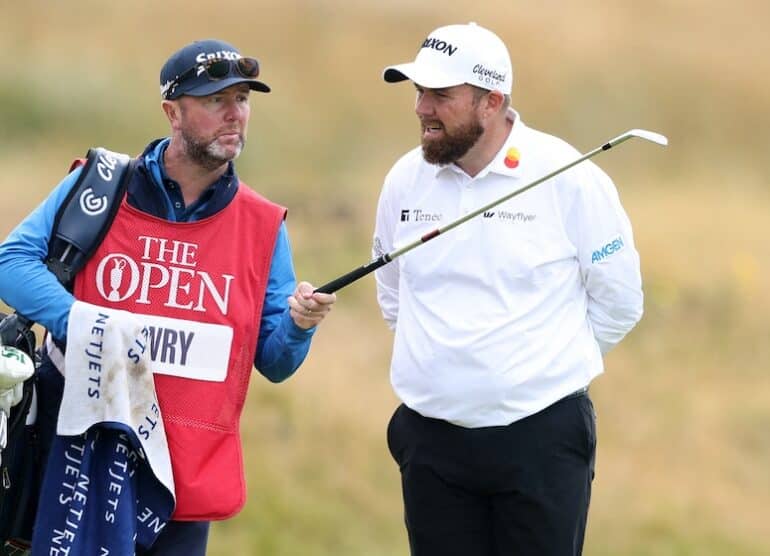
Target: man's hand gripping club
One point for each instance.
(308, 308)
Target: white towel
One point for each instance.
(108, 485)
(113, 382)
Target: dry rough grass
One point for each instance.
(684, 408)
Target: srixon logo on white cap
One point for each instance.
(438, 44)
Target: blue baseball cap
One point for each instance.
(205, 67)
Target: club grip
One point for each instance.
(13, 329)
(353, 275)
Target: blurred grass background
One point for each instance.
(684, 408)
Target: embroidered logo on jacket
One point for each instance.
(419, 215)
(510, 216)
(607, 250)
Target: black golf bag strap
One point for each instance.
(87, 212)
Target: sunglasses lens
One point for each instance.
(248, 67)
(218, 69)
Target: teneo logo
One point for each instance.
(607, 250)
(441, 46)
(419, 215)
(91, 204)
(487, 75)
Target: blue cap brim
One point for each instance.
(211, 87)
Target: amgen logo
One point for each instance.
(607, 250)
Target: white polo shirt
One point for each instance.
(511, 311)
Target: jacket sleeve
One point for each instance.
(386, 276)
(282, 345)
(25, 282)
(609, 262)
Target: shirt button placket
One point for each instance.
(466, 205)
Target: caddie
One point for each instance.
(206, 261)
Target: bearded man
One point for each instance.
(500, 325)
(217, 271)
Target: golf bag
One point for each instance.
(19, 467)
(80, 225)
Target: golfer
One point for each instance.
(501, 324)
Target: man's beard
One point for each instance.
(452, 147)
(209, 155)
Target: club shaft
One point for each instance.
(374, 264)
(353, 275)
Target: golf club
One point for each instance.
(352, 276)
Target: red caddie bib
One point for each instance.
(201, 286)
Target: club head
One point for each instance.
(649, 136)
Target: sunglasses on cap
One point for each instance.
(216, 70)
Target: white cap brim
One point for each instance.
(425, 76)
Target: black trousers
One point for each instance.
(521, 489)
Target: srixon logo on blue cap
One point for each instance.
(441, 46)
(218, 55)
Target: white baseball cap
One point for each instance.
(458, 54)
